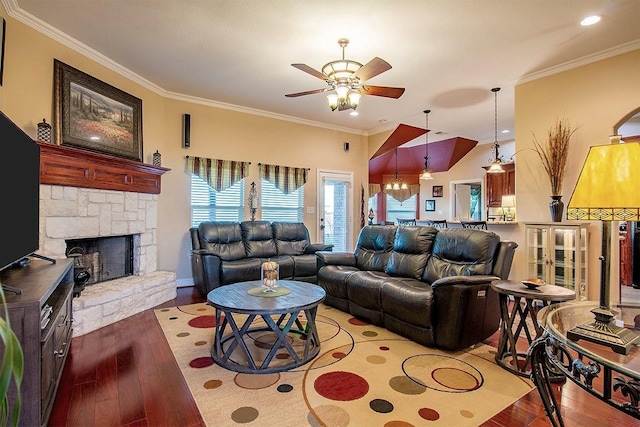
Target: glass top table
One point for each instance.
(612, 377)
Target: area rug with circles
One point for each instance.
(363, 376)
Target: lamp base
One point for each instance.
(604, 331)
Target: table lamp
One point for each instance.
(508, 202)
(606, 191)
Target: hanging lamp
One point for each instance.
(426, 172)
(496, 163)
(395, 183)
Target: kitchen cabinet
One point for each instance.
(500, 184)
(557, 253)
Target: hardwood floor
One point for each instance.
(125, 375)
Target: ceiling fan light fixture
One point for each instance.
(333, 101)
(342, 92)
(346, 78)
(354, 99)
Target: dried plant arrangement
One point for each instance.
(555, 152)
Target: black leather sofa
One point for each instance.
(427, 284)
(225, 252)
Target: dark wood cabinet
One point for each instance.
(500, 184)
(41, 318)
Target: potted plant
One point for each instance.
(553, 155)
(12, 368)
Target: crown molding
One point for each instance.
(31, 21)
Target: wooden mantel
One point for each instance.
(63, 165)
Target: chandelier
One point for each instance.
(426, 172)
(496, 163)
(395, 183)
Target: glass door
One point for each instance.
(335, 216)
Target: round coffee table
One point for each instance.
(261, 332)
(524, 305)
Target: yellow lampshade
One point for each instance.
(607, 186)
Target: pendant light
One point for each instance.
(426, 172)
(496, 166)
(395, 183)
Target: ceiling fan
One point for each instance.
(347, 78)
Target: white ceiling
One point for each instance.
(448, 54)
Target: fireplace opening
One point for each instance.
(101, 258)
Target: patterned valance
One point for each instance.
(402, 195)
(285, 178)
(374, 189)
(219, 174)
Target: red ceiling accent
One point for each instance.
(442, 156)
(401, 135)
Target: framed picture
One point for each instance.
(3, 24)
(436, 191)
(93, 115)
(430, 205)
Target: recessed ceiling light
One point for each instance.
(354, 113)
(590, 20)
(382, 121)
(506, 131)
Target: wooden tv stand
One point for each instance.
(41, 318)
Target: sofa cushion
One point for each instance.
(258, 239)
(408, 300)
(461, 252)
(291, 238)
(411, 249)
(374, 246)
(223, 239)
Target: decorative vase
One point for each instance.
(556, 207)
(270, 275)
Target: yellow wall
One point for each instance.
(26, 97)
(593, 97)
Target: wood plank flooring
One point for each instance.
(125, 375)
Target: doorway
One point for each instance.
(335, 194)
(467, 200)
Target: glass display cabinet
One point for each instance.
(557, 253)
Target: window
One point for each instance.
(208, 204)
(406, 209)
(277, 206)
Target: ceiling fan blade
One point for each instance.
(309, 92)
(307, 69)
(372, 68)
(388, 92)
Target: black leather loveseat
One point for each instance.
(428, 284)
(225, 252)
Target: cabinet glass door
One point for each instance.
(558, 254)
(537, 252)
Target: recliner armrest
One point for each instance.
(462, 280)
(316, 247)
(336, 258)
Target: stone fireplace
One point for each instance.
(100, 209)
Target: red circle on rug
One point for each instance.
(203, 322)
(201, 362)
(429, 414)
(341, 386)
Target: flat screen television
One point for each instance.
(20, 193)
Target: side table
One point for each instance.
(524, 305)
